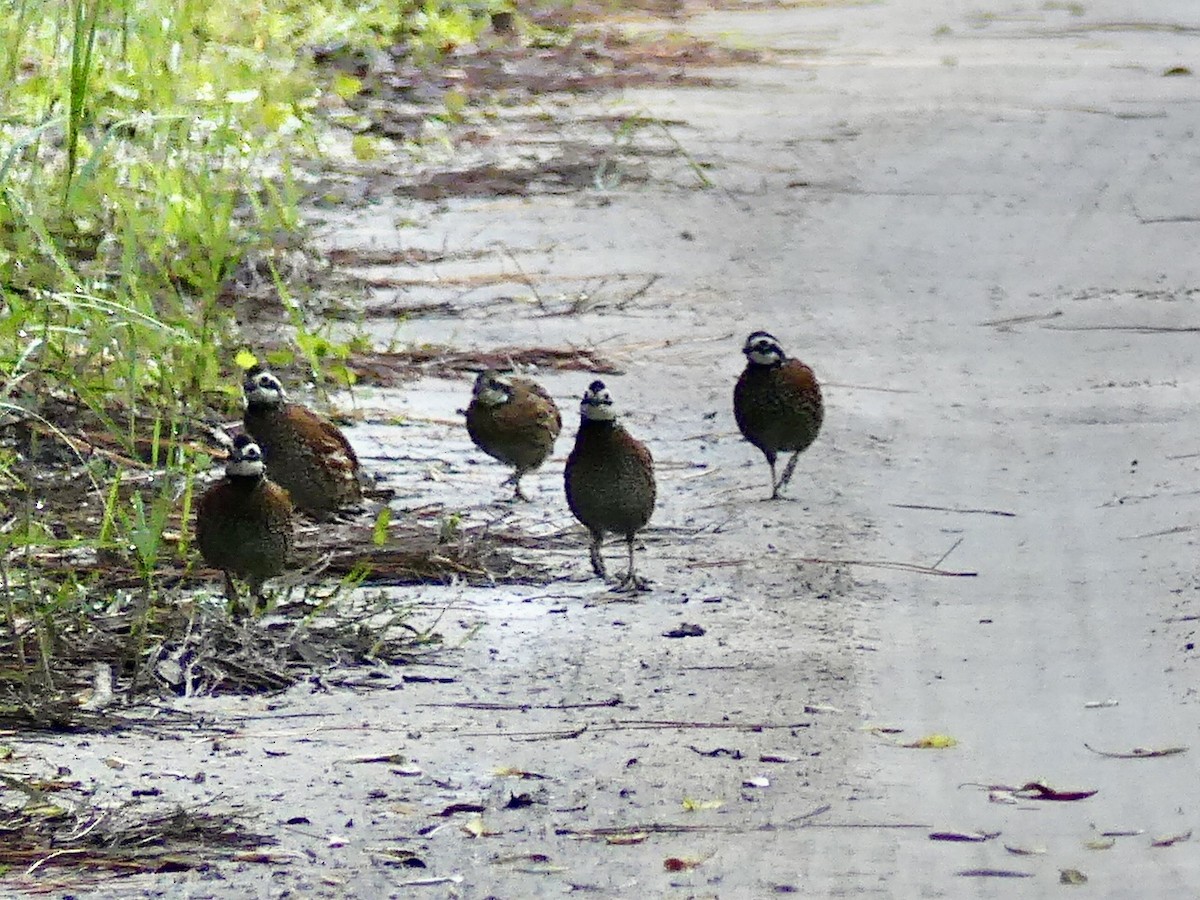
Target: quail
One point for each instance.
(609, 479)
(244, 521)
(777, 404)
(305, 453)
(515, 421)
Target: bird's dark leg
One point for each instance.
(631, 581)
(597, 559)
(770, 455)
(788, 470)
(518, 494)
(231, 591)
(234, 602)
(515, 480)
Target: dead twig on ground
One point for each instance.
(955, 509)
(801, 821)
(823, 561)
(523, 707)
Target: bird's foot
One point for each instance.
(630, 583)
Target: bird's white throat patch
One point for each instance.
(768, 357)
(593, 412)
(264, 389)
(245, 468)
(490, 395)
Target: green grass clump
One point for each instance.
(149, 149)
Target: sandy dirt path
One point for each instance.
(978, 224)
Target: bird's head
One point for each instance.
(597, 404)
(262, 388)
(491, 388)
(245, 459)
(762, 349)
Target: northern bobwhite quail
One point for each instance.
(777, 404)
(305, 453)
(515, 421)
(609, 479)
(244, 521)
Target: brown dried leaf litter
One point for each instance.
(52, 825)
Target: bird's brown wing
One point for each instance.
(536, 396)
(324, 437)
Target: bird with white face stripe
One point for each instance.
(244, 522)
(304, 452)
(513, 420)
(609, 480)
(777, 404)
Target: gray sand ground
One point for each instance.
(978, 223)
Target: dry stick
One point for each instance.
(594, 704)
(1178, 529)
(629, 725)
(869, 563)
(866, 387)
(649, 283)
(672, 828)
(941, 559)
(887, 564)
(1020, 320)
(955, 509)
(1137, 329)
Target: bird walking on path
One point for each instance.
(305, 453)
(777, 404)
(244, 522)
(514, 421)
(609, 480)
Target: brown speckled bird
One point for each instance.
(777, 404)
(305, 453)
(515, 421)
(244, 522)
(609, 479)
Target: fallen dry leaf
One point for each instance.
(1101, 843)
(1025, 851)
(968, 836)
(1039, 790)
(631, 837)
(681, 864)
(265, 856)
(397, 758)
(693, 805)
(513, 772)
(455, 808)
(1139, 752)
(932, 742)
(993, 873)
(1071, 876)
(474, 827)
(1171, 839)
